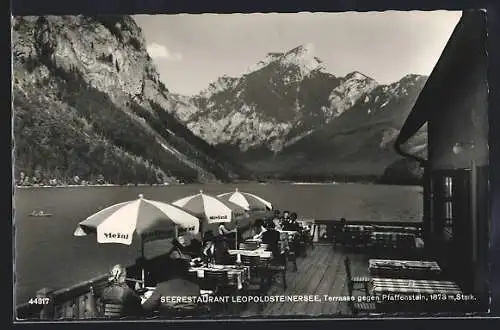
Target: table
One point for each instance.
(406, 286)
(359, 228)
(237, 274)
(403, 295)
(393, 239)
(404, 269)
(411, 230)
(289, 233)
(283, 244)
(261, 252)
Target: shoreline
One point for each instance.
(96, 185)
(235, 183)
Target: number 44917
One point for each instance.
(39, 301)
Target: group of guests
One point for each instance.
(286, 221)
(121, 300)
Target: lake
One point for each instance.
(48, 255)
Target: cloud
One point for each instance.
(161, 52)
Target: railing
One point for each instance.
(75, 302)
(370, 223)
(326, 229)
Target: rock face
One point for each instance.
(88, 101)
(288, 117)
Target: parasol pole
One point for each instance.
(143, 275)
(236, 237)
(236, 240)
(238, 256)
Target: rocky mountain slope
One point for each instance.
(88, 102)
(288, 117)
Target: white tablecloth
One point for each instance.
(260, 252)
(240, 272)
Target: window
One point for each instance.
(448, 208)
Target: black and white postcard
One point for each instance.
(281, 165)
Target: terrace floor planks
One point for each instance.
(320, 273)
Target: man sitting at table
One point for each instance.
(118, 298)
(292, 224)
(179, 249)
(194, 249)
(271, 237)
(259, 229)
(228, 234)
(177, 284)
(217, 251)
(286, 218)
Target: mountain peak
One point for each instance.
(302, 56)
(302, 50)
(356, 75)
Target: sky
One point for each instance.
(191, 51)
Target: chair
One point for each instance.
(356, 283)
(339, 235)
(218, 282)
(291, 253)
(276, 265)
(254, 286)
(253, 262)
(359, 307)
(215, 279)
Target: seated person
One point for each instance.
(178, 250)
(177, 284)
(217, 251)
(229, 234)
(195, 248)
(292, 224)
(343, 224)
(271, 237)
(259, 228)
(342, 233)
(285, 218)
(118, 298)
(208, 236)
(276, 218)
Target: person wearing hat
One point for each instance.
(118, 298)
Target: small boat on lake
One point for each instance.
(40, 213)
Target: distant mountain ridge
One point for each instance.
(88, 103)
(288, 116)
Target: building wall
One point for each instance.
(458, 149)
(459, 130)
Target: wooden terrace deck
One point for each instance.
(321, 272)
